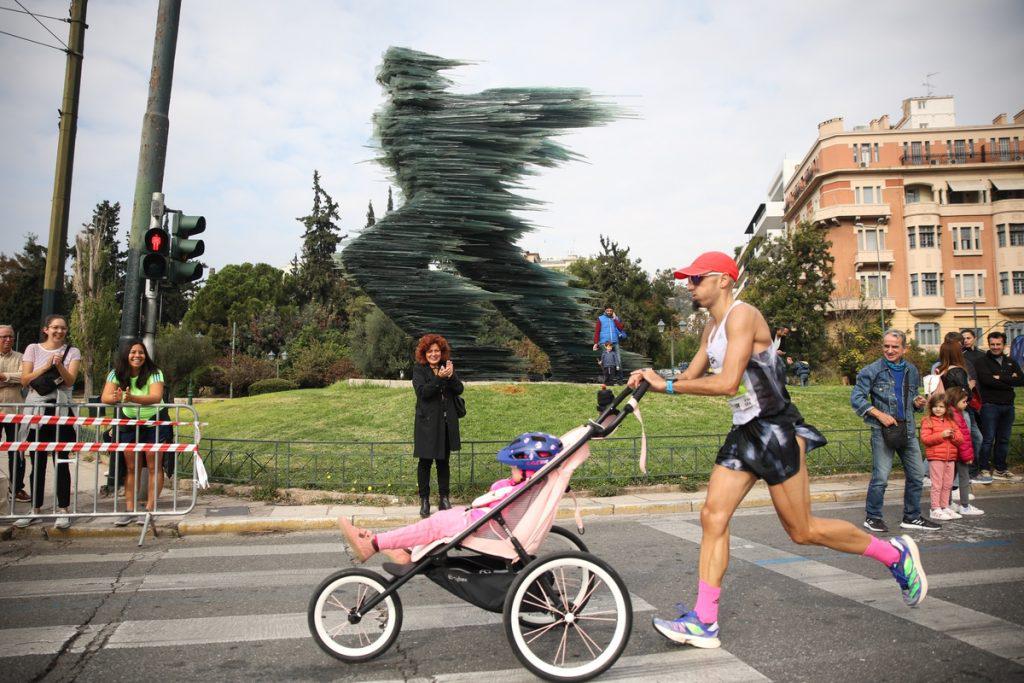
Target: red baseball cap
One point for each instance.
(710, 262)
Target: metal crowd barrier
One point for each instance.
(72, 440)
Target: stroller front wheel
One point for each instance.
(336, 628)
(590, 612)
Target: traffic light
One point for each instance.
(157, 247)
(180, 270)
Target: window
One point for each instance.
(869, 285)
(912, 237)
(1004, 283)
(1018, 282)
(911, 195)
(870, 239)
(960, 151)
(915, 152)
(969, 286)
(920, 104)
(876, 151)
(1013, 330)
(1004, 149)
(1017, 234)
(1001, 235)
(926, 236)
(930, 284)
(914, 289)
(966, 239)
(927, 334)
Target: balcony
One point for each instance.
(983, 156)
(855, 212)
(871, 257)
(925, 306)
(851, 303)
(1011, 304)
(921, 209)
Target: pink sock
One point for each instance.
(884, 552)
(707, 602)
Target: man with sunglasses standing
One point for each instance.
(769, 440)
(10, 392)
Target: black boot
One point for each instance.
(443, 503)
(424, 506)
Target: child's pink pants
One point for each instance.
(941, 473)
(441, 524)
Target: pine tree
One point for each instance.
(317, 276)
(370, 219)
(21, 289)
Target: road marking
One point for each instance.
(983, 631)
(200, 552)
(18, 642)
(680, 663)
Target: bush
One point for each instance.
(270, 386)
(243, 374)
(319, 364)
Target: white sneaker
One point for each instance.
(939, 514)
(955, 507)
(971, 511)
(951, 513)
(62, 522)
(24, 522)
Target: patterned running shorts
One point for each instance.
(767, 446)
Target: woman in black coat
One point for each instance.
(436, 432)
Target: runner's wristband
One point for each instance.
(669, 386)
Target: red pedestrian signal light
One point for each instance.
(157, 246)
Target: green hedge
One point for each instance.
(269, 386)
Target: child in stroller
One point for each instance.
(525, 455)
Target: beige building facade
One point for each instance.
(926, 217)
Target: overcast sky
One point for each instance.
(265, 92)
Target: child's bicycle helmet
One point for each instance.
(530, 451)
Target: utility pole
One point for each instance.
(53, 281)
(152, 156)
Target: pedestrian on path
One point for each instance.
(885, 395)
(998, 374)
(942, 438)
(49, 370)
(137, 385)
(436, 428)
(769, 440)
(956, 405)
(10, 392)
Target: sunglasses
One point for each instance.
(695, 280)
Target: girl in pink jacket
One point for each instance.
(956, 404)
(942, 438)
(525, 455)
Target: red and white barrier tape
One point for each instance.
(23, 418)
(96, 447)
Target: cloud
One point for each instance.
(265, 92)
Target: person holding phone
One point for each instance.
(436, 428)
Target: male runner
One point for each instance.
(769, 440)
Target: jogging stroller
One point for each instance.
(566, 613)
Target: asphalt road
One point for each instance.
(232, 608)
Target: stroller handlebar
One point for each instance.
(613, 410)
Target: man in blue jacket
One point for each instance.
(886, 395)
(608, 329)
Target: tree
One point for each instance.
(95, 318)
(370, 219)
(639, 301)
(791, 282)
(182, 356)
(236, 294)
(391, 201)
(379, 347)
(21, 290)
(317, 277)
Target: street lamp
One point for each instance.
(672, 338)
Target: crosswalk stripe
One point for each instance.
(245, 628)
(678, 664)
(983, 631)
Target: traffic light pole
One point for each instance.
(53, 279)
(152, 156)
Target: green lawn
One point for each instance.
(496, 412)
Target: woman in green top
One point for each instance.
(136, 380)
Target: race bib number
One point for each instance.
(742, 400)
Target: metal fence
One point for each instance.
(387, 467)
(71, 462)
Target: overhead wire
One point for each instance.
(66, 20)
(47, 28)
(52, 47)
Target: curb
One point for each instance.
(258, 525)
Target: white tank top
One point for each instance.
(763, 388)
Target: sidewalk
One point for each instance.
(218, 514)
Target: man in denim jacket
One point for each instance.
(882, 396)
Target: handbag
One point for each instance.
(895, 436)
(975, 402)
(460, 406)
(49, 381)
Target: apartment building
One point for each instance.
(766, 223)
(926, 217)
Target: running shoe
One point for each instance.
(24, 522)
(688, 629)
(124, 520)
(951, 513)
(908, 571)
(971, 511)
(940, 514)
(876, 524)
(920, 523)
(62, 522)
(982, 477)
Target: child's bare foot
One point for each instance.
(360, 541)
(398, 555)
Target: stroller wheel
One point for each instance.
(559, 540)
(589, 616)
(335, 627)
